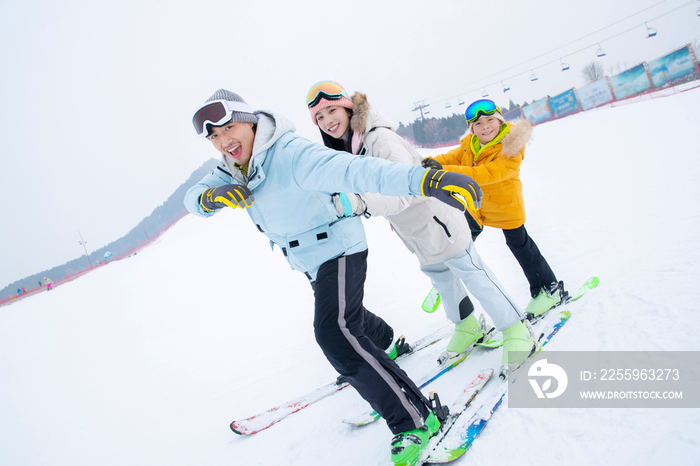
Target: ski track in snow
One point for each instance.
(148, 360)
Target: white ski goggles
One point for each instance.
(216, 113)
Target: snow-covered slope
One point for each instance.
(146, 361)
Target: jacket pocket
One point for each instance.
(444, 227)
(308, 250)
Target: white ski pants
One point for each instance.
(450, 277)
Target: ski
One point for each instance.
(444, 367)
(448, 416)
(431, 301)
(462, 434)
(589, 285)
(262, 421)
(472, 421)
(254, 424)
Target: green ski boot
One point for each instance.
(399, 348)
(547, 299)
(466, 334)
(518, 344)
(406, 447)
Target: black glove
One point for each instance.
(455, 189)
(232, 195)
(431, 163)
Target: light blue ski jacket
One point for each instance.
(293, 180)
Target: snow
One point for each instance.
(148, 360)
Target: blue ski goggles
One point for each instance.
(480, 107)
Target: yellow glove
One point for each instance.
(455, 189)
(232, 195)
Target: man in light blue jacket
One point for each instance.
(286, 183)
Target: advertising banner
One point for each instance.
(665, 70)
(595, 94)
(537, 112)
(631, 82)
(564, 104)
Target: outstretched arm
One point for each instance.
(317, 167)
(192, 198)
(498, 170)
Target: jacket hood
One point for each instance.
(271, 126)
(364, 117)
(512, 143)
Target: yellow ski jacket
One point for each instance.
(496, 168)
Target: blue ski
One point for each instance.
(472, 421)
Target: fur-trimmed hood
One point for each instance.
(432, 230)
(364, 118)
(518, 136)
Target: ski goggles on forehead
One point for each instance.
(325, 90)
(216, 113)
(480, 107)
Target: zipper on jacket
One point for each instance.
(443, 226)
(363, 149)
(219, 168)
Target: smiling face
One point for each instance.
(486, 128)
(234, 139)
(333, 120)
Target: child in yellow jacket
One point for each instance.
(491, 153)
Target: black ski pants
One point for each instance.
(343, 327)
(537, 271)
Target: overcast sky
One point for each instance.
(96, 97)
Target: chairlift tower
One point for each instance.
(420, 105)
(82, 243)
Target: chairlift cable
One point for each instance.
(576, 40)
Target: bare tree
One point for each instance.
(593, 72)
(618, 68)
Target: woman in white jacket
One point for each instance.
(437, 234)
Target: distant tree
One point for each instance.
(511, 105)
(434, 130)
(406, 131)
(618, 68)
(592, 72)
(418, 131)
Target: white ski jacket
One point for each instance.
(432, 230)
